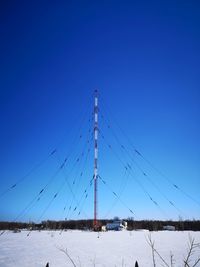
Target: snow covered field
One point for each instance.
(87, 249)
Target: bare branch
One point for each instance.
(196, 262)
(67, 254)
(154, 251)
(191, 249)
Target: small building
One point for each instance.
(103, 228)
(117, 225)
(169, 227)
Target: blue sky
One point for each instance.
(144, 59)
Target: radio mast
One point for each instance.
(95, 159)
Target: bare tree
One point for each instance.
(191, 249)
(188, 261)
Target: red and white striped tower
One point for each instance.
(95, 157)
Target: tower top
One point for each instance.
(96, 92)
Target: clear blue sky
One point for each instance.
(144, 58)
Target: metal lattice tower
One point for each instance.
(95, 158)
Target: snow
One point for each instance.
(93, 249)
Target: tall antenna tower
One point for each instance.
(95, 158)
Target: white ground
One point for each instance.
(86, 249)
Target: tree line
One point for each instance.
(151, 225)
